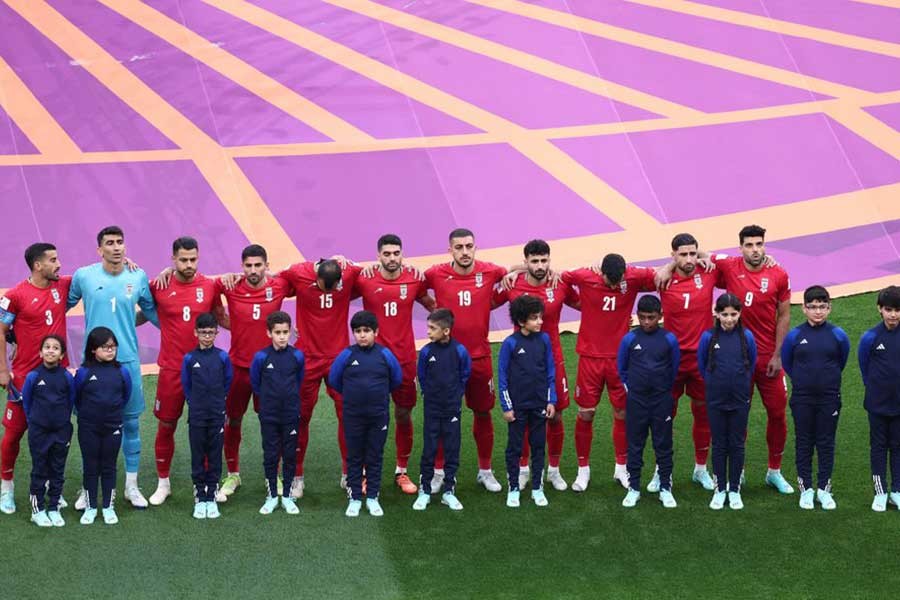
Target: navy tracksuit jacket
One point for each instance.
(365, 377)
(879, 363)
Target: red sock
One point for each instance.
(584, 438)
(232, 445)
(165, 448)
(302, 443)
(776, 436)
(556, 433)
(9, 451)
(701, 433)
(483, 430)
(439, 456)
(403, 437)
(526, 450)
(620, 441)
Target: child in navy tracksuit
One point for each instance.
(527, 374)
(879, 363)
(275, 376)
(813, 355)
(206, 376)
(102, 389)
(48, 397)
(443, 370)
(648, 363)
(365, 373)
(726, 356)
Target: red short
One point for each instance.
(317, 370)
(593, 374)
(772, 390)
(405, 395)
(169, 396)
(238, 398)
(562, 386)
(480, 389)
(689, 381)
(14, 416)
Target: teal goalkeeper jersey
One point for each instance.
(110, 300)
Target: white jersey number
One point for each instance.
(48, 317)
(748, 299)
(256, 312)
(326, 301)
(465, 297)
(390, 309)
(186, 313)
(609, 303)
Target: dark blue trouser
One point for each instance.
(535, 420)
(49, 450)
(100, 446)
(365, 436)
(652, 415)
(815, 428)
(884, 438)
(206, 440)
(279, 440)
(729, 430)
(440, 431)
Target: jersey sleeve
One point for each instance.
(506, 351)
(301, 365)
(787, 351)
(27, 391)
(256, 371)
(622, 358)
(751, 347)
(498, 272)
(843, 343)
(394, 366)
(644, 277)
(862, 354)
(465, 364)
(229, 370)
(336, 374)
(703, 352)
(75, 293)
(572, 297)
(128, 383)
(146, 301)
(551, 370)
(784, 289)
(8, 309)
(575, 277)
(186, 377)
(675, 357)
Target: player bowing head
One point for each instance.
(328, 274)
(613, 269)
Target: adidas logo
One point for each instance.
(293, 432)
(879, 347)
(384, 428)
(454, 419)
(716, 347)
(521, 351)
(41, 382)
(117, 432)
(834, 414)
(432, 359)
(355, 363)
(270, 366)
(669, 418)
(93, 378)
(222, 430)
(803, 341)
(638, 347)
(196, 365)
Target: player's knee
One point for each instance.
(168, 424)
(402, 414)
(586, 414)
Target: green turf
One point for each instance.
(583, 545)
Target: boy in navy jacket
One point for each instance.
(527, 377)
(648, 362)
(275, 376)
(206, 376)
(443, 369)
(879, 363)
(365, 373)
(48, 397)
(813, 355)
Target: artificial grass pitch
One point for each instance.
(582, 545)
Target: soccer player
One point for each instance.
(324, 290)
(188, 294)
(110, 293)
(466, 286)
(766, 294)
(607, 301)
(390, 293)
(36, 308)
(536, 281)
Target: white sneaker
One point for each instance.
(653, 486)
(621, 475)
(297, 486)
(343, 484)
(718, 500)
(879, 504)
(353, 508)
(894, 499)
(212, 510)
(582, 479)
(826, 500)
(524, 478)
(134, 495)
(289, 506)
(41, 519)
(437, 481)
(667, 499)
(556, 479)
(631, 498)
(422, 501)
(449, 499)
(200, 510)
(701, 476)
(735, 501)
(7, 502)
(512, 499)
(109, 516)
(807, 499)
(269, 505)
(81, 500)
(230, 484)
(89, 515)
(539, 498)
(487, 479)
(163, 491)
(56, 518)
(374, 507)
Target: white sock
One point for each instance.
(399, 471)
(164, 482)
(130, 480)
(774, 471)
(584, 471)
(485, 472)
(621, 468)
(7, 485)
(699, 467)
(439, 472)
(552, 470)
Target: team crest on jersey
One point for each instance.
(623, 286)
(199, 295)
(55, 293)
(551, 295)
(479, 280)
(698, 281)
(269, 294)
(764, 285)
(404, 290)
(129, 290)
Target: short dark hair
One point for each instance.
(329, 271)
(111, 230)
(184, 243)
(36, 252)
(684, 239)
(389, 239)
(279, 317)
(613, 266)
(816, 292)
(889, 297)
(523, 307)
(461, 232)
(364, 318)
(442, 317)
(751, 231)
(649, 304)
(206, 321)
(58, 338)
(254, 250)
(537, 248)
(98, 336)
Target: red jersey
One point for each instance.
(606, 311)
(248, 309)
(178, 307)
(553, 299)
(392, 301)
(34, 313)
(761, 292)
(321, 316)
(469, 297)
(688, 306)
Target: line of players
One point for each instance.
(605, 294)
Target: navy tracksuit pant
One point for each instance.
(534, 420)
(445, 431)
(279, 440)
(49, 450)
(365, 436)
(649, 415)
(100, 444)
(884, 441)
(815, 427)
(729, 430)
(206, 439)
